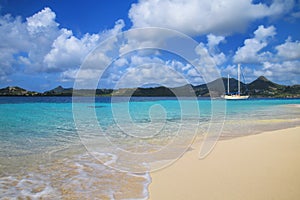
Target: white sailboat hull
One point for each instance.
(236, 97)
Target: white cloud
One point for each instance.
(210, 58)
(289, 50)
(208, 66)
(146, 39)
(212, 45)
(150, 70)
(13, 40)
(69, 75)
(247, 72)
(27, 42)
(262, 33)
(84, 75)
(48, 48)
(193, 72)
(296, 14)
(249, 53)
(86, 79)
(121, 62)
(6, 60)
(138, 60)
(151, 74)
(65, 53)
(196, 17)
(68, 51)
(42, 21)
(13, 34)
(213, 41)
(39, 45)
(287, 71)
(42, 30)
(281, 66)
(230, 70)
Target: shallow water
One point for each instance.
(50, 147)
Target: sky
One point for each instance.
(44, 44)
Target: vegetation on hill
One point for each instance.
(16, 91)
(261, 87)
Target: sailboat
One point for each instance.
(237, 95)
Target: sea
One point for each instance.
(106, 147)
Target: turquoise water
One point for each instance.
(46, 141)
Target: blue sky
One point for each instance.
(44, 43)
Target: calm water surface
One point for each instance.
(42, 152)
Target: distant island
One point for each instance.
(259, 88)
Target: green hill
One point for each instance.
(261, 87)
(16, 91)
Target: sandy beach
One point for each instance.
(263, 166)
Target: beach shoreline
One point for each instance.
(260, 166)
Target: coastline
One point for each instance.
(261, 166)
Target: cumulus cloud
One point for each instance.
(27, 42)
(281, 65)
(209, 57)
(207, 63)
(40, 45)
(212, 45)
(42, 22)
(13, 40)
(249, 53)
(65, 52)
(289, 50)
(121, 62)
(247, 72)
(286, 71)
(150, 74)
(136, 70)
(42, 30)
(13, 33)
(69, 51)
(196, 17)
(148, 38)
(213, 41)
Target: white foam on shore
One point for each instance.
(80, 177)
(34, 186)
(293, 105)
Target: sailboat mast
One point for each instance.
(228, 84)
(237, 95)
(239, 78)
